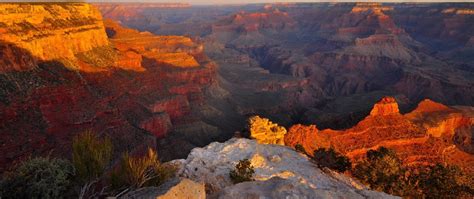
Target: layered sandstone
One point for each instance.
(43, 29)
(138, 89)
(272, 19)
(427, 135)
(177, 51)
(386, 106)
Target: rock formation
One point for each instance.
(279, 172)
(135, 87)
(427, 135)
(37, 29)
(386, 106)
(265, 131)
(172, 189)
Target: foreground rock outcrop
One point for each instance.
(431, 133)
(280, 172)
(172, 189)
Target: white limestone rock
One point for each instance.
(211, 165)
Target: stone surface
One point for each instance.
(282, 188)
(172, 189)
(211, 165)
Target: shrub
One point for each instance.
(382, 171)
(91, 156)
(329, 158)
(147, 170)
(243, 172)
(300, 149)
(443, 182)
(38, 178)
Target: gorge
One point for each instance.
(177, 77)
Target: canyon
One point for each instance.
(67, 76)
(175, 77)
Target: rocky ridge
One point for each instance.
(427, 135)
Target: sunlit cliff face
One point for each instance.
(43, 29)
(422, 137)
(69, 71)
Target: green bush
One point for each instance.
(382, 171)
(91, 156)
(38, 178)
(243, 172)
(329, 158)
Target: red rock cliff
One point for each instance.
(139, 90)
(426, 135)
(51, 31)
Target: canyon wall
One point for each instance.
(68, 73)
(39, 28)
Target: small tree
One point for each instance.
(38, 178)
(331, 159)
(243, 172)
(91, 156)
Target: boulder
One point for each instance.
(175, 188)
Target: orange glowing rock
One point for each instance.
(175, 51)
(385, 106)
(265, 131)
(43, 30)
(429, 134)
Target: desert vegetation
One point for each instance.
(382, 170)
(87, 175)
(41, 177)
(243, 172)
(329, 158)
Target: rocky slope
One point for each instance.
(280, 172)
(431, 133)
(134, 87)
